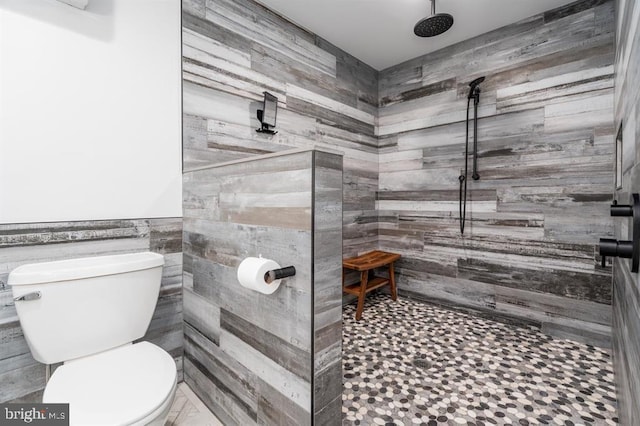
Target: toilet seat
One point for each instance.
(123, 386)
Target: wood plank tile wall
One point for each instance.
(545, 149)
(626, 285)
(546, 165)
(327, 288)
(235, 50)
(21, 376)
(255, 358)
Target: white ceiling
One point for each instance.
(380, 32)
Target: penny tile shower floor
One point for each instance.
(408, 363)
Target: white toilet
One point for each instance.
(86, 313)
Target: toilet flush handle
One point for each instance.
(34, 295)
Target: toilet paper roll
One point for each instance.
(251, 274)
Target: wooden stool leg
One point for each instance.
(392, 281)
(364, 276)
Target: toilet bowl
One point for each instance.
(130, 385)
(87, 313)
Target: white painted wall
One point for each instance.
(90, 110)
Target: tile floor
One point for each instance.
(188, 410)
(420, 364)
(411, 363)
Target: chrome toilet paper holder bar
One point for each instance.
(277, 274)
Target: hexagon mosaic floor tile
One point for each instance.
(413, 363)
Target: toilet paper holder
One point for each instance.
(277, 274)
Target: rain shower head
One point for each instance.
(433, 25)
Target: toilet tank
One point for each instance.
(86, 305)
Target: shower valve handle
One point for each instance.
(624, 249)
(624, 210)
(614, 248)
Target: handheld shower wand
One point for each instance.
(474, 93)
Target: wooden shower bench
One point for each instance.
(364, 264)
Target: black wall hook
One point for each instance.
(624, 249)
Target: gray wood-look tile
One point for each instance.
(232, 52)
(626, 284)
(255, 358)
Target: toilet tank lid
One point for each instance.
(86, 267)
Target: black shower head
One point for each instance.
(433, 25)
(475, 82)
(474, 91)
